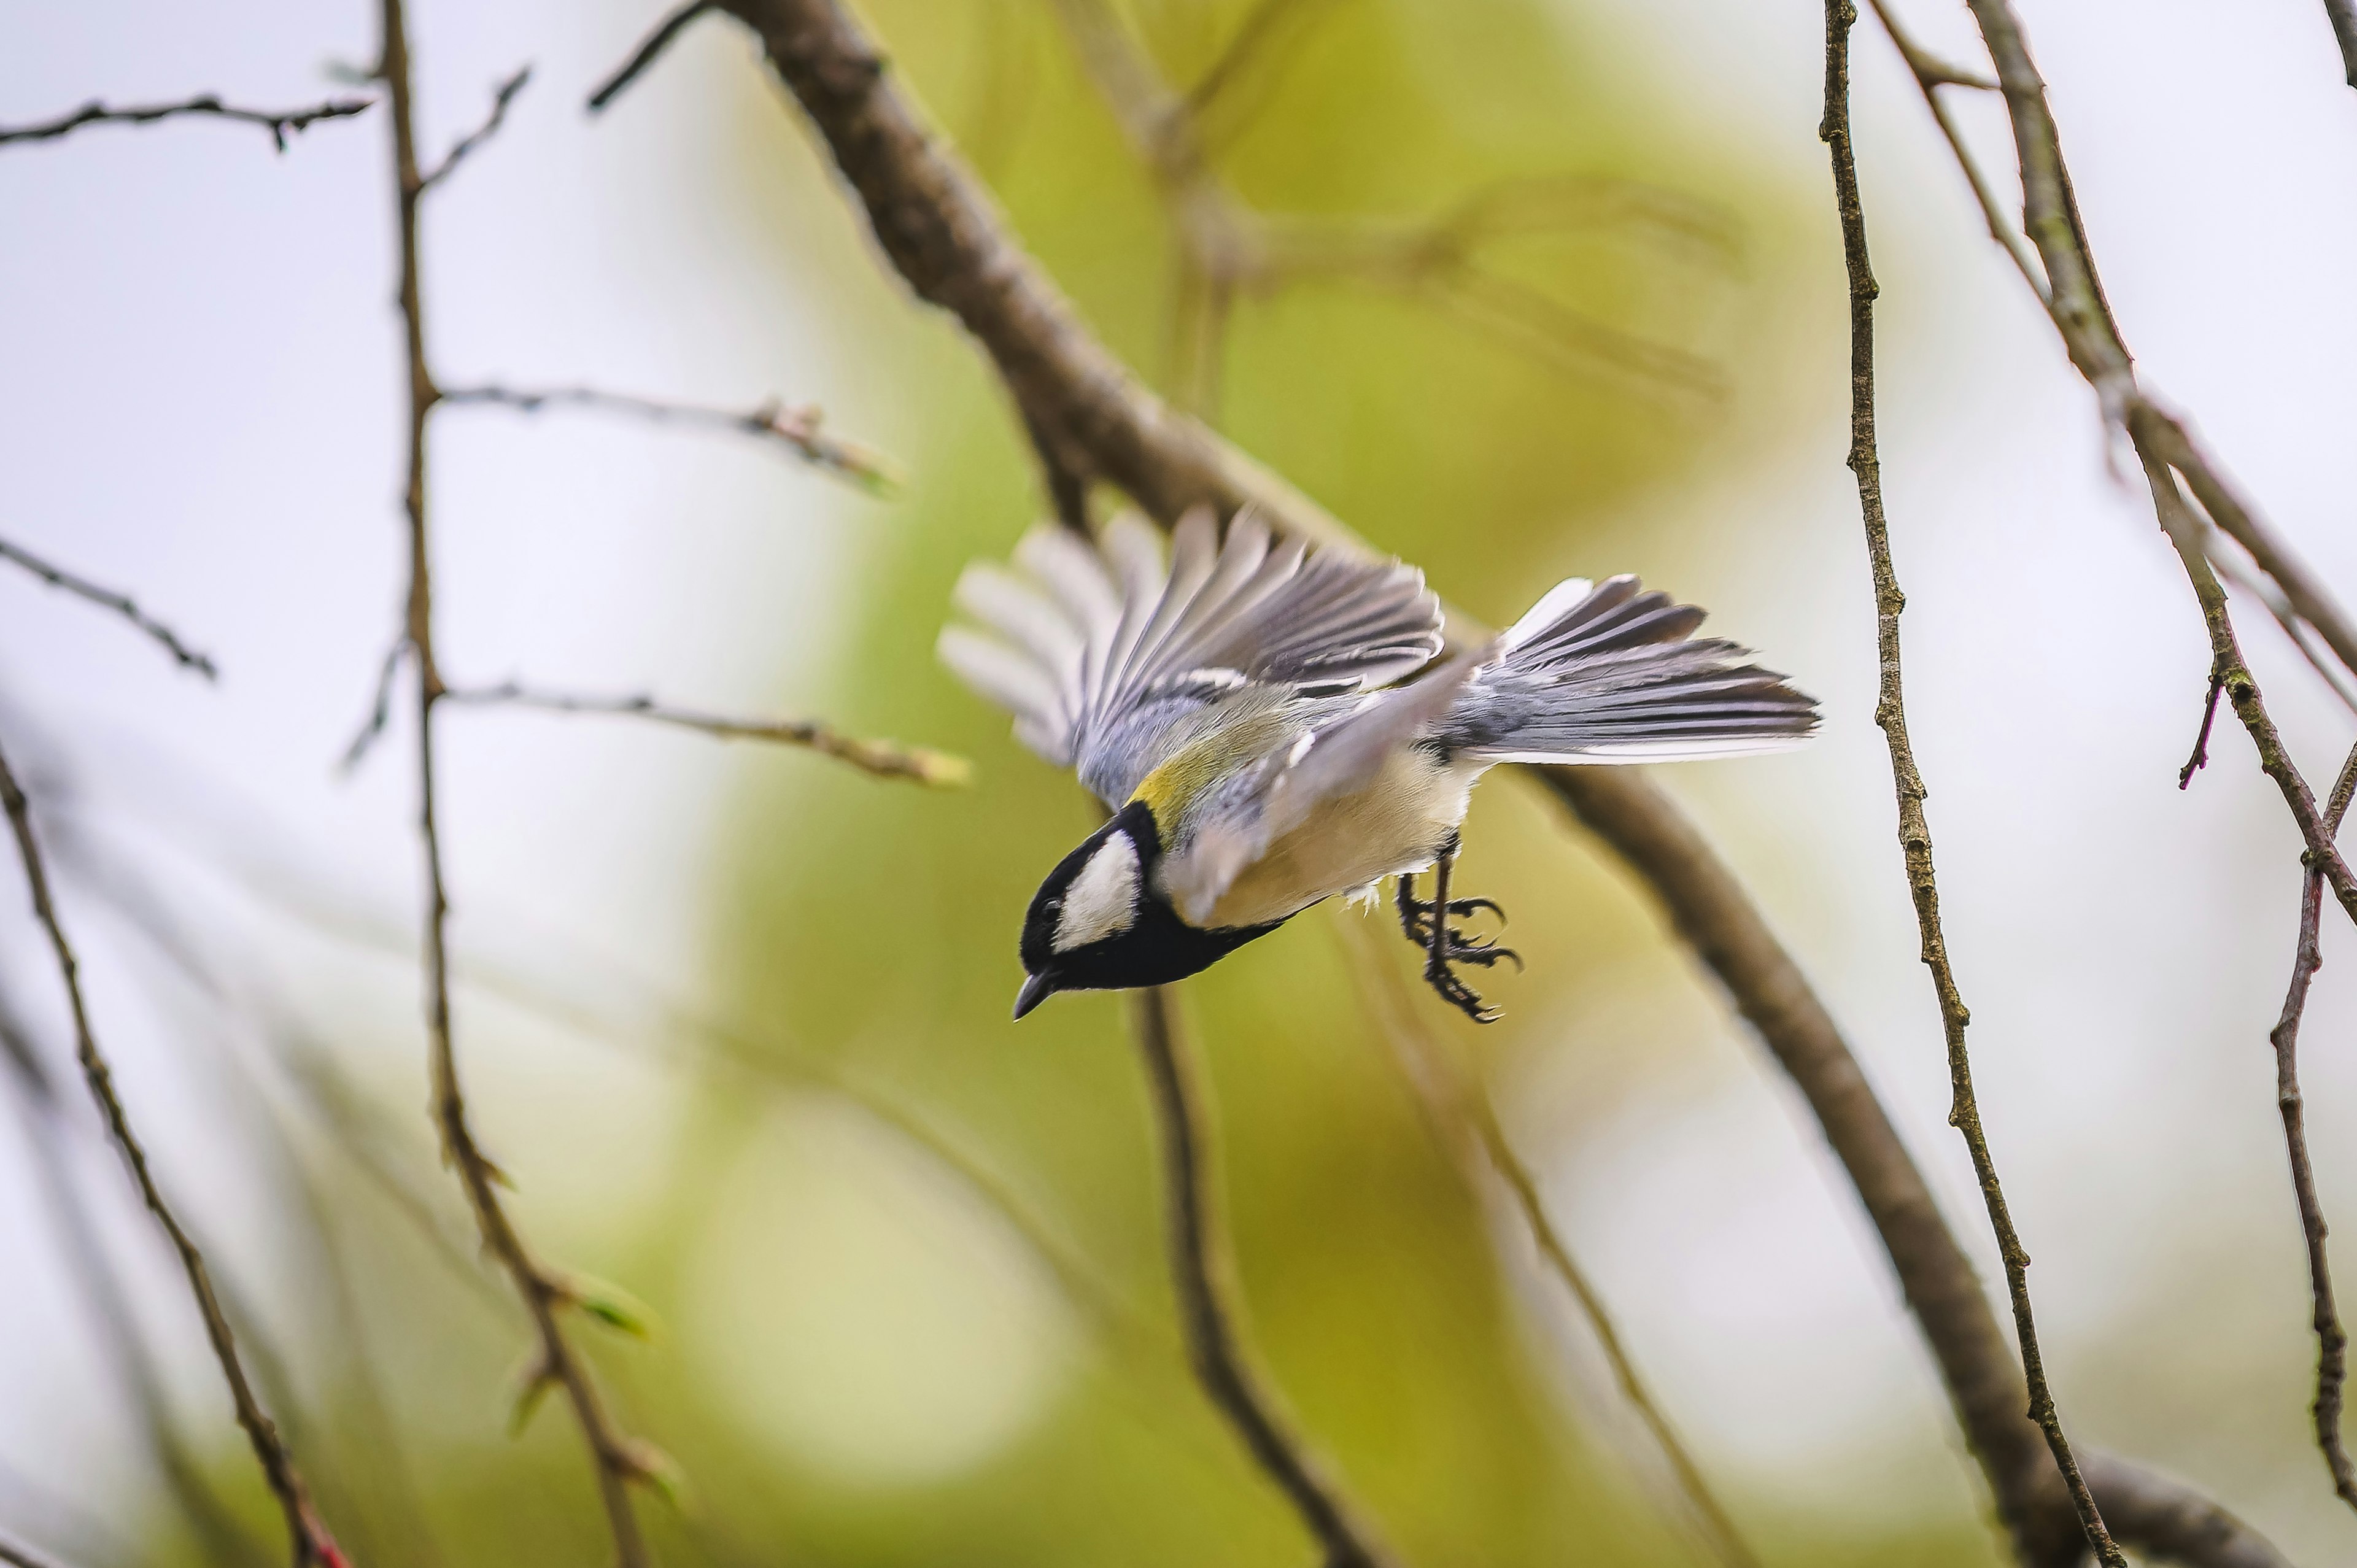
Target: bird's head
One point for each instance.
(1098, 924)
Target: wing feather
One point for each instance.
(1119, 646)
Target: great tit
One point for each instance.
(1243, 711)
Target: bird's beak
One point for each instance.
(1035, 991)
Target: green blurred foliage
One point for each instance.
(860, 1360)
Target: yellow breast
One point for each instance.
(1397, 823)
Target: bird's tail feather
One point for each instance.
(1611, 673)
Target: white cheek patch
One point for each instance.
(1102, 900)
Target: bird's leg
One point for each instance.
(1427, 924)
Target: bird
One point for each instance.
(1270, 725)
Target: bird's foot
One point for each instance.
(1450, 947)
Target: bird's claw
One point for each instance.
(1417, 917)
(1458, 995)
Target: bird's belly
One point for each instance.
(1397, 823)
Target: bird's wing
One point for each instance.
(1103, 653)
(1337, 758)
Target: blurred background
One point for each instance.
(735, 1019)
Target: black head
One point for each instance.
(1097, 924)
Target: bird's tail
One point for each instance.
(1610, 673)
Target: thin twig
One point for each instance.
(278, 123)
(2331, 1341)
(799, 430)
(1465, 1124)
(2200, 758)
(942, 234)
(2186, 530)
(2344, 16)
(308, 1539)
(380, 707)
(501, 98)
(665, 34)
(883, 759)
(1199, 1268)
(619, 1463)
(107, 598)
(1914, 826)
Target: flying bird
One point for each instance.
(1272, 726)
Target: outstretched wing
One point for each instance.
(1104, 654)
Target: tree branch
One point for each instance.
(796, 429)
(883, 759)
(941, 231)
(277, 124)
(308, 1538)
(618, 1462)
(2342, 14)
(667, 32)
(1199, 1272)
(1914, 826)
(2331, 1341)
(380, 711)
(107, 598)
(501, 98)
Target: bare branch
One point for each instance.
(1065, 482)
(2344, 16)
(1928, 68)
(942, 232)
(883, 759)
(380, 707)
(107, 598)
(618, 1462)
(2200, 758)
(646, 54)
(2331, 1339)
(1200, 1272)
(278, 123)
(797, 429)
(500, 99)
(308, 1538)
(1465, 1124)
(1914, 826)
